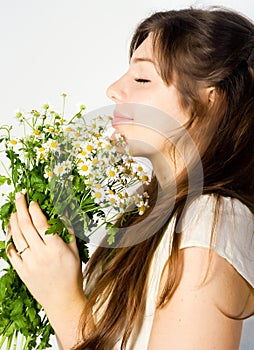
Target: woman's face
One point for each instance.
(146, 108)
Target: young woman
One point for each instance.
(181, 277)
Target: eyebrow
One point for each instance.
(142, 59)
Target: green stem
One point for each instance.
(28, 187)
(12, 167)
(9, 342)
(6, 170)
(15, 340)
(4, 337)
(34, 120)
(22, 341)
(26, 122)
(98, 227)
(5, 127)
(44, 117)
(75, 116)
(64, 98)
(24, 128)
(27, 343)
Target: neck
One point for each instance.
(164, 169)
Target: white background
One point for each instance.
(74, 46)
(77, 47)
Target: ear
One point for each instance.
(211, 93)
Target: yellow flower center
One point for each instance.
(13, 142)
(111, 173)
(68, 129)
(84, 167)
(89, 148)
(60, 169)
(98, 195)
(36, 132)
(53, 144)
(144, 178)
(142, 209)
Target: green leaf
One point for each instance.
(20, 322)
(2, 290)
(37, 181)
(6, 209)
(111, 232)
(17, 308)
(4, 179)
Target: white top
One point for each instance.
(234, 241)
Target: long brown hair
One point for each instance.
(198, 49)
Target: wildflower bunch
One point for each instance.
(82, 179)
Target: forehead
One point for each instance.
(145, 50)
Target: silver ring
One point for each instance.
(22, 251)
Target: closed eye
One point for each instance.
(142, 81)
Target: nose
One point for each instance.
(115, 92)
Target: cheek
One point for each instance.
(167, 101)
(175, 112)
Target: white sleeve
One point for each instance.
(233, 232)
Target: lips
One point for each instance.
(120, 119)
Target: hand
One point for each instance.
(49, 267)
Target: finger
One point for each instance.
(17, 236)
(73, 245)
(25, 223)
(70, 228)
(67, 224)
(41, 224)
(39, 220)
(14, 258)
(8, 234)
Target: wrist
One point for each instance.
(65, 319)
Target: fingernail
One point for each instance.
(8, 236)
(32, 203)
(17, 195)
(7, 249)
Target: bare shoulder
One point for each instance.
(195, 317)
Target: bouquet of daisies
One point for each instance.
(74, 170)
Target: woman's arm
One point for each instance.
(193, 318)
(50, 268)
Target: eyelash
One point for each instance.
(142, 81)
